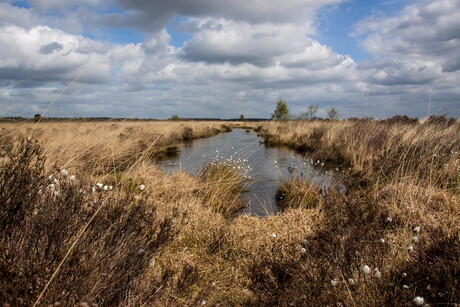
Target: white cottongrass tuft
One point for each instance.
(377, 273)
(366, 269)
(404, 275)
(419, 301)
(410, 249)
(142, 187)
(351, 281)
(382, 240)
(106, 187)
(72, 178)
(64, 173)
(273, 235)
(389, 219)
(415, 239)
(303, 250)
(417, 229)
(152, 262)
(334, 282)
(405, 287)
(203, 303)
(100, 185)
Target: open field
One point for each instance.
(144, 238)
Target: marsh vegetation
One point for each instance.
(87, 218)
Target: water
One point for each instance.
(264, 167)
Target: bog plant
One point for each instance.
(392, 239)
(41, 216)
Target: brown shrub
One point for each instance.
(41, 221)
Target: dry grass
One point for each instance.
(298, 192)
(102, 147)
(174, 241)
(377, 149)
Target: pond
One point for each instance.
(263, 167)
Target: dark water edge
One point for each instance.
(263, 167)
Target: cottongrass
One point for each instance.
(366, 269)
(419, 301)
(377, 273)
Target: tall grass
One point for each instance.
(101, 147)
(401, 211)
(174, 239)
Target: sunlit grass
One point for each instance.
(89, 196)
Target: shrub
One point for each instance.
(41, 220)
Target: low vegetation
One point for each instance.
(87, 219)
(104, 147)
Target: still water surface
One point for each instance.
(264, 167)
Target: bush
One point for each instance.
(41, 219)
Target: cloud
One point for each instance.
(237, 43)
(49, 55)
(156, 42)
(386, 71)
(50, 48)
(153, 15)
(424, 31)
(314, 56)
(20, 17)
(59, 5)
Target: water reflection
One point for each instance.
(264, 167)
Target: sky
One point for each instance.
(223, 58)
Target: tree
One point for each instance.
(332, 113)
(242, 119)
(281, 111)
(175, 117)
(311, 111)
(37, 117)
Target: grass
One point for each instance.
(157, 239)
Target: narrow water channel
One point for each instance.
(264, 167)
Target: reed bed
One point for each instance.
(80, 229)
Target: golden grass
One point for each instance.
(108, 146)
(303, 256)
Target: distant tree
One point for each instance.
(175, 117)
(37, 117)
(281, 111)
(311, 111)
(332, 113)
(242, 118)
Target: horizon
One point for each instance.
(220, 59)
